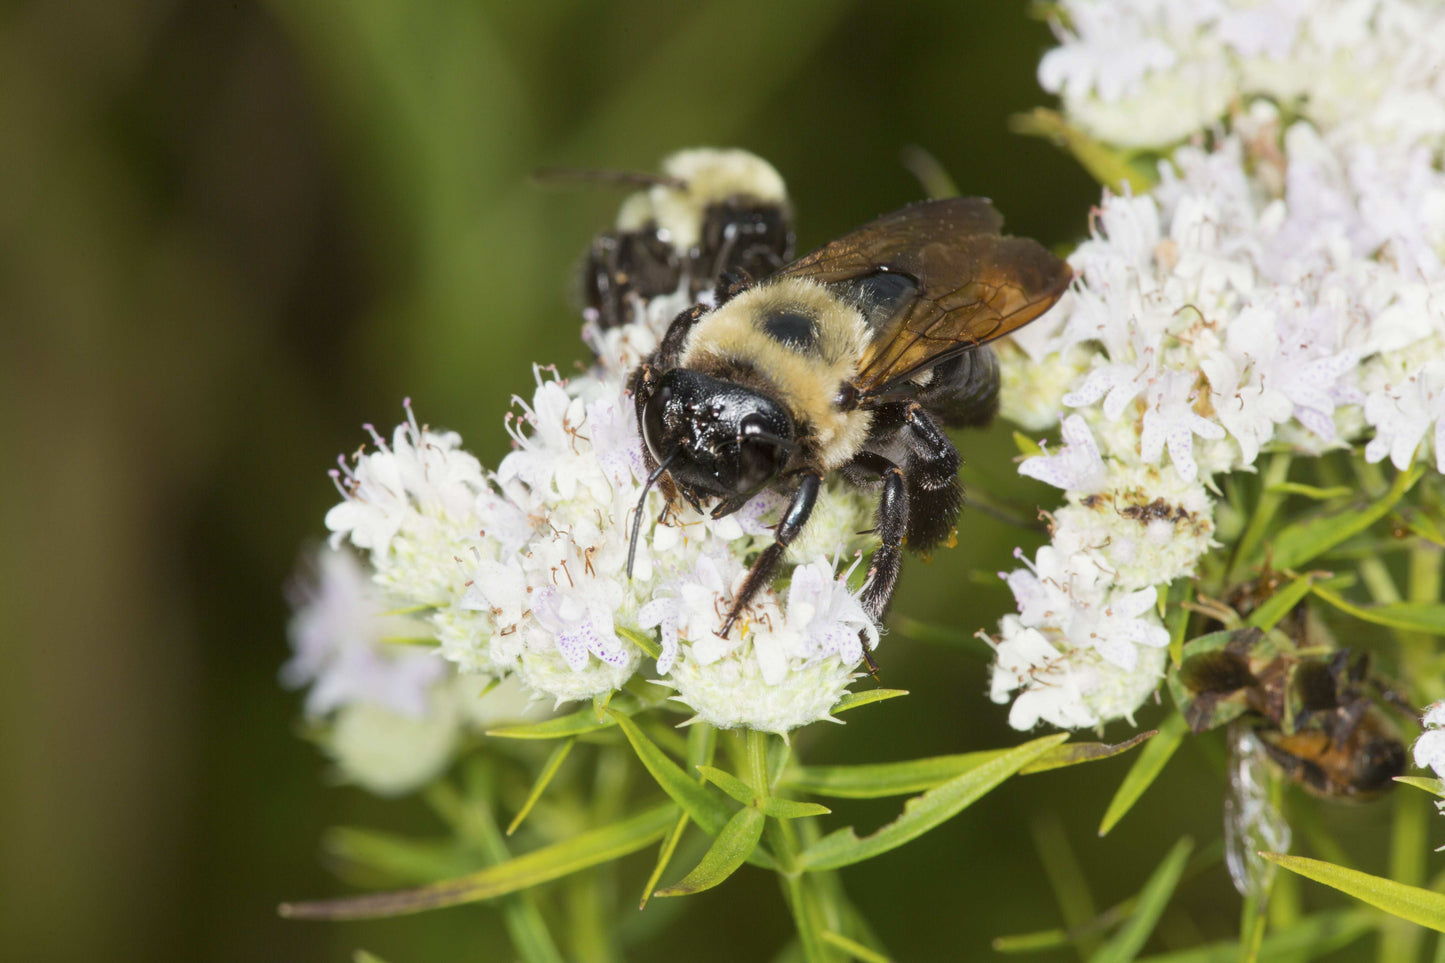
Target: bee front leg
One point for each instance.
(792, 523)
(675, 337)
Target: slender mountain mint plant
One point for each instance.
(1247, 381)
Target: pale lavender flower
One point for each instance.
(1076, 466)
(339, 639)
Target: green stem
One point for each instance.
(521, 912)
(801, 894)
(1269, 501)
(757, 775)
(1378, 580)
(811, 905)
(1418, 651)
(1400, 940)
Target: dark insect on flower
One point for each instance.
(1314, 717)
(853, 360)
(1294, 703)
(709, 213)
(1314, 710)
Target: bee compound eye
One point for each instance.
(760, 457)
(653, 425)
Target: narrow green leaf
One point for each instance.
(1310, 938)
(1206, 858)
(1111, 167)
(1281, 603)
(521, 911)
(1422, 906)
(728, 851)
(1423, 526)
(791, 808)
(1155, 895)
(664, 856)
(362, 956)
(544, 779)
(398, 860)
(771, 806)
(930, 173)
(729, 784)
(1253, 919)
(1426, 617)
(1026, 445)
(1434, 787)
(853, 948)
(853, 700)
(705, 808)
(409, 610)
(590, 848)
(1310, 491)
(1077, 753)
(424, 641)
(1032, 942)
(876, 780)
(925, 812)
(1147, 766)
(576, 723)
(1302, 541)
(1176, 617)
(642, 640)
(1066, 878)
(1260, 515)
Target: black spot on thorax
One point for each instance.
(792, 329)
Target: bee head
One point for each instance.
(716, 437)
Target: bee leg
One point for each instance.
(933, 487)
(1346, 719)
(730, 284)
(670, 349)
(792, 523)
(890, 524)
(931, 462)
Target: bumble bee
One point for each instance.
(1307, 716)
(710, 212)
(852, 359)
(1314, 715)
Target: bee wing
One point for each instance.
(934, 280)
(1252, 822)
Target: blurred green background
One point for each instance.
(232, 233)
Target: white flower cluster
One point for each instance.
(1148, 73)
(393, 710)
(1281, 288)
(521, 571)
(1430, 747)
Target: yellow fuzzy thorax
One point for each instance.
(710, 175)
(804, 379)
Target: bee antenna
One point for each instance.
(547, 176)
(641, 505)
(784, 443)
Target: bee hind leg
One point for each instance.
(890, 525)
(931, 462)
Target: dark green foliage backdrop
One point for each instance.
(229, 234)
